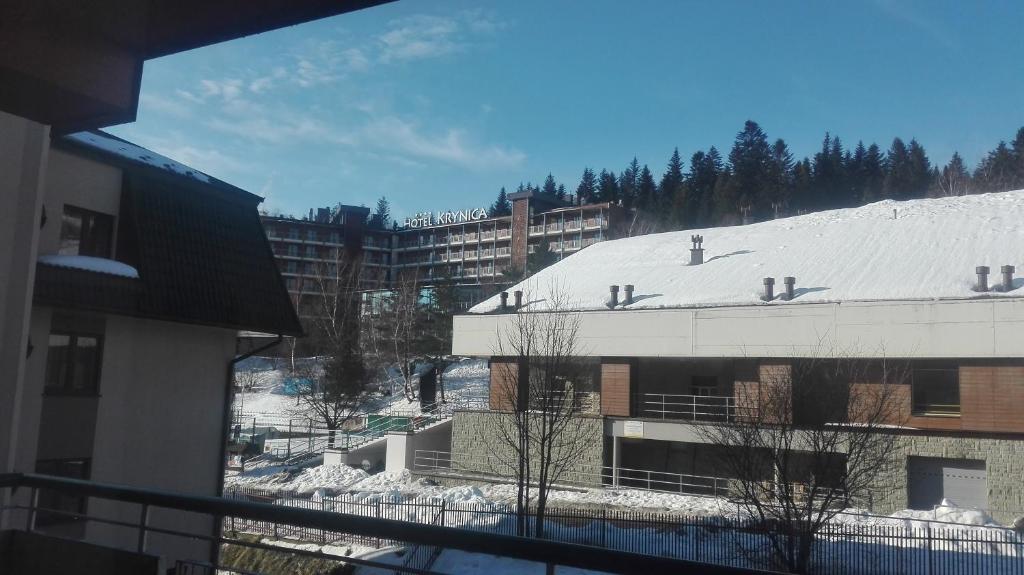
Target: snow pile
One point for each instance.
(468, 494)
(928, 250)
(329, 478)
(92, 264)
(135, 153)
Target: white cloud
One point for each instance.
(227, 89)
(419, 37)
(157, 103)
(397, 136)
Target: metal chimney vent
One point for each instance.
(769, 289)
(504, 301)
(790, 283)
(629, 294)
(1007, 277)
(519, 299)
(697, 251)
(614, 299)
(982, 285)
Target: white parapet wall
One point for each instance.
(973, 328)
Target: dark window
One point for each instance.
(293, 233)
(73, 363)
(86, 233)
(311, 235)
(936, 392)
(68, 505)
(310, 251)
(293, 250)
(704, 385)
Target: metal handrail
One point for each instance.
(689, 407)
(540, 550)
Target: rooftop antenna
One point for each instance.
(894, 213)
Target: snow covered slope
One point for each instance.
(918, 249)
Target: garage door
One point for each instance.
(932, 479)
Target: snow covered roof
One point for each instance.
(918, 249)
(126, 152)
(89, 263)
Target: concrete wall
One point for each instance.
(1004, 464)
(477, 436)
(157, 421)
(986, 327)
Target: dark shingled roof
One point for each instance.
(199, 247)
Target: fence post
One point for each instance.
(289, 452)
(309, 429)
(378, 517)
(604, 527)
(323, 532)
(443, 507)
(696, 543)
(928, 534)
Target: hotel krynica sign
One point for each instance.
(428, 219)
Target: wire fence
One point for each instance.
(905, 549)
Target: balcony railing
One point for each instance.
(323, 525)
(688, 407)
(507, 233)
(536, 230)
(486, 235)
(503, 252)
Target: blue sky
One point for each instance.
(436, 105)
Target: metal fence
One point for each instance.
(907, 549)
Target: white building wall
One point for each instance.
(159, 423)
(977, 328)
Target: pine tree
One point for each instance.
(874, 174)
(953, 179)
(550, 187)
(671, 192)
(501, 206)
(830, 187)
(802, 194)
(997, 171)
(897, 171)
(780, 174)
(646, 189)
(381, 218)
(607, 187)
(560, 192)
(587, 189)
(919, 171)
(750, 163)
(628, 181)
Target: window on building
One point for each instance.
(290, 283)
(291, 267)
(73, 363)
(311, 235)
(55, 506)
(335, 237)
(936, 391)
(293, 233)
(293, 250)
(86, 233)
(704, 385)
(310, 251)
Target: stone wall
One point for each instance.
(478, 446)
(1004, 463)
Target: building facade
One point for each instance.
(145, 272)
(465, 247)
(695, 342)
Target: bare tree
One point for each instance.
(539, 393)
(334, 387)
(809, 438)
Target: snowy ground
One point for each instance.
(465, 380)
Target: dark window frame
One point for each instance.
(51, 500)
(95, 233)
(68, 387)
(922, 409)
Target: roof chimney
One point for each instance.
(519, 299)
(769, 289)
(629, 295)
(982, 272)
(1007, 277)
(614, 301)
(790, 282)
(697, 251)
(504, 301)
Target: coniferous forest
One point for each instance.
(759, 179)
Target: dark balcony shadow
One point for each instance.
(728, 255)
